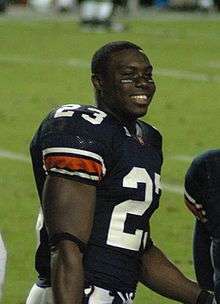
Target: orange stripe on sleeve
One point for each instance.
(74, 164)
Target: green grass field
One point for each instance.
(45, 62)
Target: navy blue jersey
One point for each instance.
(87, 145)
(202, 186)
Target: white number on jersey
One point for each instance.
(116, 235)
(66, 111)
(95, 118)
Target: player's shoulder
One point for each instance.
(76, 112)
(152, 134)
(208, 156)
(204, 160)
(74, 119)
(71, 115)
(204, 169)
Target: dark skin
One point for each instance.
(163, 277)
(127, 77)
(125, 91)
(68, 207)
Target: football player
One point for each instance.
(97, 171)
(202, 197)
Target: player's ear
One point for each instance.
(97, 82)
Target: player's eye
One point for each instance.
(148, 76)
(133, 79)
(130, 77)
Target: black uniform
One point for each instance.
(89, 146)
(202, 187)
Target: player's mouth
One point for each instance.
(141, 99)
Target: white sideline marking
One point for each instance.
(20, 157)
(172, 188)
(14, 156)
(79, 63)
(214, 65)
(73, 62)
(187, 75)
(183, 158)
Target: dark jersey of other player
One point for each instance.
(202, 186)
(89, 146)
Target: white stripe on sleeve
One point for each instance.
(189, 197)
(75, 173)
(76, 152)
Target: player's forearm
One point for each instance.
(163, 277)
(67, 278)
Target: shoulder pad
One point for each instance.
(71, 116)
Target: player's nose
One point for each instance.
(145, 83)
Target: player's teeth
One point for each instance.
(140, 96)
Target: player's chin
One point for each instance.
(140, 110)
(135, 110)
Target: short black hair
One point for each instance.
(102, 55)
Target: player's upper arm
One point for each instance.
(75, 148)
(74, 153)
(68, 207)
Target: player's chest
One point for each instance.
(135, 172)
(130, 153)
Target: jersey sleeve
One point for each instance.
(193, 188)
(202, 188)
(75, 149)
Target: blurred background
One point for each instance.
(45, 52)
(125, 7)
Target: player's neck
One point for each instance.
(131, 126)
(128, 121)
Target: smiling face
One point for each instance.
(127, 87)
